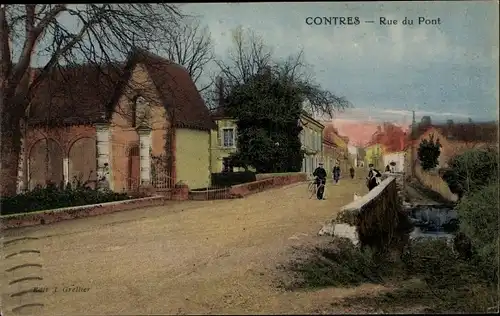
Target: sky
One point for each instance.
(447, 71)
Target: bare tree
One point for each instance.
(64, 34)
(191, 46)
(250, 56)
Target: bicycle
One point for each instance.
(312, 188)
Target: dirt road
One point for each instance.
(190, 257)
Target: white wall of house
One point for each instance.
(353, 152)
(312, 141)
(398, 158)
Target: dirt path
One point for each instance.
(191, 257)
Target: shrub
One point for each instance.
(227, 179)
(52, 197)
(429, 276)
(478, 216)
(472, 170)
(428, 153)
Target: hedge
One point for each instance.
(53, 197)
(227, 179)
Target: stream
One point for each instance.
(432, 221)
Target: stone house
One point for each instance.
(223, 144)
(329, 154)
(141, 122)
(311, 138)
(341, 147)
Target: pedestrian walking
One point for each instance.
(336, 174)
(373, 178)
(351, 171)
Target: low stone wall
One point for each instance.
(61, 214)
(372, 220)
(245, 189)
(262, 176)
(67, 213)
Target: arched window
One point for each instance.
(140, 110)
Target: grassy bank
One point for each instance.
(429, 278)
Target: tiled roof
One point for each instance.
(87, 93)
(75, 95)
(466, 132)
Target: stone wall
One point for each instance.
(179, 193)
(57, 215)
(373, 220)
(245, 189)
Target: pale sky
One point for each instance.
(446, 71)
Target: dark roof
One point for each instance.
(178, 91)
(466, 132)
(75, 95)
(87, 93)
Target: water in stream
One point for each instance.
(433, 221)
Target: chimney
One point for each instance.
(220, 91)
(449, 128)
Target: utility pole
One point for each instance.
(412, 135)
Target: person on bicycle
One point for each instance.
(320, 174)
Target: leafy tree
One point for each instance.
(266, 97)
(267, 110)
(428, 153)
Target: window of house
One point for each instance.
(140, 111)
(228, 137)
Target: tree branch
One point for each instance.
(32, 35)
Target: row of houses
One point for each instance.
(141, 122)
(320, 143)
(391, 146)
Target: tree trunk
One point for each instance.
(10, 143)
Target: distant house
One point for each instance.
(329, 154)
(394, 154)
(455, 138)
(374, 153)
(386, 145)
(142, 122)
(223, 142)
(342, 157)
(311, 138)
(353, 154)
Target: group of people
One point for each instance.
(372, 180)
